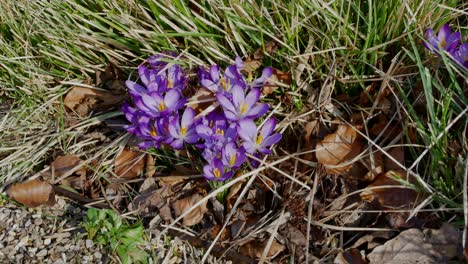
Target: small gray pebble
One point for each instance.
(41, 253)
(89, 243)
(47, 241)
(38, 221)
(97, 255)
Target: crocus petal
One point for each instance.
(452, 41)
(214, 73)
(240, 158)
(273, 139)
(177, 144)
(174, 128)
(135, 88)
(252, 97)
(204, 131)
(191, 137)
(265, 151)
(144, 74)
(151, 102)
(239, 63)
(226, 176)
(258, 111)
(237, 96)
(225, 103)
(444, 32)
(268, 127)
(209, 84)
(249, 147)
(187, 117)
(171, 99)
(231, 115)
(247, 130)
(207, 173)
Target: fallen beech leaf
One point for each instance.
(399, 197)
(351, 256)
(82, 100)
(338, 148)
(129, 163)
(398, 153)
(416, 246)
(278, 77)
(33, 193)
(196, 215)
(296, 236)
(150, 199)
(63, 164)
(255, 249)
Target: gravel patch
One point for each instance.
(50, 235)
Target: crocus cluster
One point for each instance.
(224, 136)
(447, 41)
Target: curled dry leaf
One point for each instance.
(33, 193)
(277, 79)
(129, 163)
(196, 215)
(83, 100)
(391, 197)
(63, 164)
(337, 150)
(150, 200)
(416, 246)
(255, 249)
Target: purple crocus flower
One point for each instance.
(258, 141)
(216, 83)
(461, 55)
(232, 156)
(157, 61)
(242, 106)
(259, 82)
(216, 171)
(445, 39)
(155, 104)
(183, 131)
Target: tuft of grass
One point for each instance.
(107, 228)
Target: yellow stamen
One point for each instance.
(249, 77)
(244, 108)
(232, 160)
(443, 43)
(183, 131)
(220, 131)
(216, 173)
(162, 107)
(223, 83)
(169, 82)
(154, 133)
(259, 139)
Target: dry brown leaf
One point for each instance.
(33, 193)
(255, 249)
(63, 164)
(83, 100)
(129, 163)
(196, 215)
(416, 246)
(399, 197)
(150, 200)
(338, 148)
(201, 100)
(150, 168)
(351, 256)
(277, 77)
